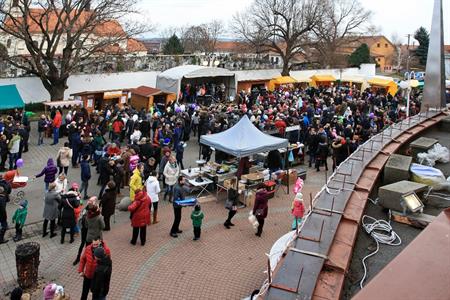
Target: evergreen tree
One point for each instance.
(361, 55)
(173, 46)
(423, 37)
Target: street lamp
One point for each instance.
(409, 82)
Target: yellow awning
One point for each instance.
(284, 80)
(390, 85)
(322, 77)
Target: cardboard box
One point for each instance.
(230, 183)
(292, 177)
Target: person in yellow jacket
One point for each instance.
(136, 180)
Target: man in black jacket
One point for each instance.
(102, 275)
(179, 192)
(3, 215)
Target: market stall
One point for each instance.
(173, 79)
(98, 100)
(281, 80)
(357, 80)
(384, 83)
(243, 140)
(145, 97)
(62, 104)
(322, 80)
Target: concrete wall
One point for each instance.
(32, 90)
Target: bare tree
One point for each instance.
(202, 38)
(343, 22)
(62, 36)
(281, 26)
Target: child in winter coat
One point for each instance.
(19, 217)
(298, 210)
(197, 218)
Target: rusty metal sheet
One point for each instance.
(420, 271)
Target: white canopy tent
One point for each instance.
(172, 79)
(243, 139)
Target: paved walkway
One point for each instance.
(224, 264)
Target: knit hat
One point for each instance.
(197, 207)
(16, 294)
(49, 291)
(99, 252)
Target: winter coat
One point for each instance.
(153, 188)
(49, 171)
(179, 193)
(105, 171)
(64, 156)
(85, 170)
(135, 183)
(108, 202)
(260, 205)
(51, 203)
(162, 164)
(20, 215)
(298, 209)
(3, 201)
(69, 201)
(14, 144)
(57, 121)
(102, 278)
(171, 173)
(95, 226)
(88, 263)
(140, 209)
(42, 125)
(274, 160)
(197, 218)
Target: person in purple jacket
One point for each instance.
(49, 173)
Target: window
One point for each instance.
(378, 45)
(8, 43)
(385, 45)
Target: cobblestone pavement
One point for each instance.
(224, 264)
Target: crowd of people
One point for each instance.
(143, 150)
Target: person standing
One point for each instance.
(140, 216)
(63, 158)
(57, 121)
(82, 222)
(298, 210)
(19, 218)
(3, 152)
(108, 204)
(153, 190)
(51, 212)
(95, 223)
(102, 275)
(197, 217)
(49, 173)
(106, 171)
(171, 173)
(179, 192)
(25, 136)
(3, 215)
(14, 148)
(85, 176)
(260, 210)
(88, 264)
(231, 205)
(136, 183)
(42, 127)
(68, 204)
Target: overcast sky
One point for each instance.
(398, 17)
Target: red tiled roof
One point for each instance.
(50, 22)
(145, 91)
(134, 45)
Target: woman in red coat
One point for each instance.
(260, 210)
(140, 216)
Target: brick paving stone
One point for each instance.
(224, 264)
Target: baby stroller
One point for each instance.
(16, 182)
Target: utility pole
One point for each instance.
(407, 53)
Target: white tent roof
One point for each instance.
(256, 75)
(243, 139)
(170, 80)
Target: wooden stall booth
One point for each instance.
(322, 80)
(145, 97)
(98, 100)
(381, 83)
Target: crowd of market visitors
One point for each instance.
(144, 149)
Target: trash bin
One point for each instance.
(27, 264)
